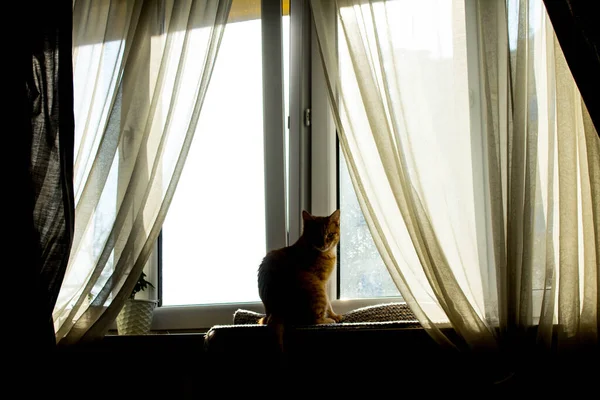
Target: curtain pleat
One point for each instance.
(40, 190)
(474, 160)
(141, 72)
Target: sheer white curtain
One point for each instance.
(470, 151)
(141, 70)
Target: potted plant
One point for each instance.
(135, 318)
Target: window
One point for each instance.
(217, 230)
(362, 271)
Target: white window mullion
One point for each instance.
(299, 119)
(273, 123)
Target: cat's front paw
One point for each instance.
(335, 317)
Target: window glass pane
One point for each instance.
(362, 271)
(214, 233)
(213, 237)
(426, 58)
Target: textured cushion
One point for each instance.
(378, 313)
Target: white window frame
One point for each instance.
(313, 167)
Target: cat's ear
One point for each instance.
(335, 216)
(306, 215)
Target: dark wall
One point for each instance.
(374, 363)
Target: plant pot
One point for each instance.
(135, 318)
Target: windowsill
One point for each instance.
(200, 318)
(113, 333)
(155, 343)
(389, 325)
(250, 338)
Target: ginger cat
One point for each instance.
(292, 281)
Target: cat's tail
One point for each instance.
(277, 326)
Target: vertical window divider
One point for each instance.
(273, 124)
(299, 190)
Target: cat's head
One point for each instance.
(323, 233)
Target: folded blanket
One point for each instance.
(388, 312)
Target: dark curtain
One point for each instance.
(577, 28)
(39, 189)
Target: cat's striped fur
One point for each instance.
(292, 281)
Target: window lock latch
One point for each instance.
(307, 117)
